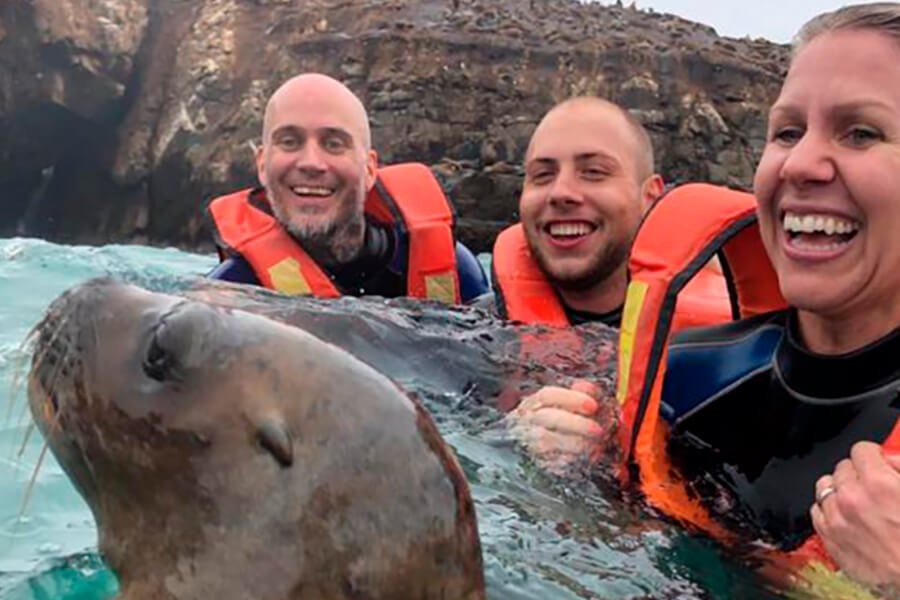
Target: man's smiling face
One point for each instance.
(583, 196)
(316, 165)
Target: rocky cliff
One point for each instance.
(120, 119)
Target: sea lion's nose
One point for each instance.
(181, 340)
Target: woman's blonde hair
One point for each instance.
(881, 17)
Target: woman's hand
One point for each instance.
(859, 521)
(558, 426)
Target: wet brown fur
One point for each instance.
(228, 456)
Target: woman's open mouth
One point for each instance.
(821, 233)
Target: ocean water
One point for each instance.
(541, 538)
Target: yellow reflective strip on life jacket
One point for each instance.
(441, 286)
(287, 278)
(634, 302)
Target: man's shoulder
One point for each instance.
(235, 269)
(473, 281)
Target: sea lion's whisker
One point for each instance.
(49, 387)
(30, 488)
(29, 429)
(47, 347)
(20, 367)
(16, 386)
(22, 418)
(53, 425)
(8, 418)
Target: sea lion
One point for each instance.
(440, 349)
(225, 455)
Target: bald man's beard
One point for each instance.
(336, 241)
(598, 270)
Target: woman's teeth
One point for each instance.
(811, 223)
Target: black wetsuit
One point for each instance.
(612, 318)
(756, 419)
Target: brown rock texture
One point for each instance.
(120, 119)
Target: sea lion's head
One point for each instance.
(225, 455)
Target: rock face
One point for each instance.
(120, 119)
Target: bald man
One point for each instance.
(327, 221)
(588, 180)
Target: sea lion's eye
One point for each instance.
(157, 363)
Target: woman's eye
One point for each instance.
(787, 135)
(863, 136)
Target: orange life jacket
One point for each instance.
(405, 196)
(524, 294)
(522, 291)
(709, 221)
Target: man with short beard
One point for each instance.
(327, 221)
(588, 180)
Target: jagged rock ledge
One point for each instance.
(119, 119)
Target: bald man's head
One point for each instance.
(312, 88)
(317, 165)
(593, 109)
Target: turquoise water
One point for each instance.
(541, 538)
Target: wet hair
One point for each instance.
(880, 17)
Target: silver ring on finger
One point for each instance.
(824, 493)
